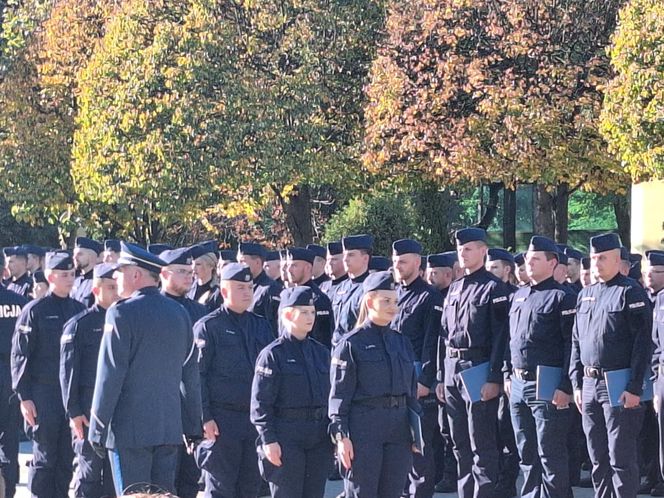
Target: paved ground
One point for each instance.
(333, 488)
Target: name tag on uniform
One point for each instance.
(438, 308)
(370, 346)
(588, 298)
(639, 304)
(520, 300)
(290, 360)
(232, 332)
(568, 312)
(267, 372)
(52, 317)
(24, 329)
(499, 299)
(96, 330)
(323, 313)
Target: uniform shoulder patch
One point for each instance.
(339, 362)
(66, 338)
(499, 299)
(571, 311)
(264, 371)
(24, 329)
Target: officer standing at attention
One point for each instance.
(334, 267)
(111, 251)
(475, 330)
(19, 278)
(521, 273)
(204, 289)
(39, 285)
(266, 290)
(574, 258)
(319, 275)
(79, 349)
(272, 265)
(86, 256)
(656, 260)
(300, 272)
(379, 263)
(611, 332)
(374, 383)
(418, 319)
(346, 301)
(229, 341)
(35, 258)
(147, 388)
(176, 279)
(440, 271)
(501, 263)
(11, 305)
(289, 403)
(35, 366)
(541, 321)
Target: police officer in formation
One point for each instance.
(86, 256)
(229, 341)
(374, 385)
(19, 280)
(289, 403)
(320, 260)
(139, 410)
(111, 252)
(79, 351)
(205, 287)
(334, 267)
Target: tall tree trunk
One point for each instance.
(621, 209)
(435, 208)
(543, 208)
(491, 207)
(509, 219)
(297, 208)
(561, 212)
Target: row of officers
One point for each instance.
(157, 380)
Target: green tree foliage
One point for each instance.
(633, 115)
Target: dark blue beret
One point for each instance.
(301, 254)
(471, 234)
(381, 280)
(357, 242)
(585, 263)
(423, 263)
(497, 254)
(251, 249)
(235, 271)
(15, 251)
(545, 244)
(319, 251)
(272, 256)
(133, 255)
(157, 249)
(655, 258)
(32, 249)
(296, 296)
(228, 255)
(520, 259)
(112, 245)
(104, 270)
(58, 260)
(635, 271)
(442, 260)
(572, 253)
(335, 248)
(605, 242)
(562, 258)
(207, 247)
(624, 254)
(406, 246)
(38, 277)
(87, 243)
(635, 257)
(181, 256)
(379, 263)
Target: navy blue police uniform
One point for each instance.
(541, 321)
(23, 284)
(289, 406)
(228, 345)
(11, 305)
(112, 246)
(348, 296)
(475, 329)
(656, 258)
(82, 290)
(420, 310)
(329, 287)
(35, 366)
(610, 333)
(147, 390)
(79, 350)
(373, 384)
(208, 293)
(319, 252)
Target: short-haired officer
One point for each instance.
(111, 252)
(272, 265)
(541, 321)
(475, 329)
(346, 301)
(229, 340)
(501, 263)
(11, 305)
(39, 285)
(289, 403)
(521, 273)
(35, 373)
(16, 260)
(441, 270)
(611, 332)
(147, 390)
(334, 267)
(574, 258)
(319, 275)
(79, 350)
(86, 256)
(35, 258)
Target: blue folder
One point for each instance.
(473, 379)
(548, 380)
(616, 383)
(415, 423)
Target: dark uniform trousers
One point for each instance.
(612, 437)
(659, 398)
(544, 457)
(421, 478)
(130, 466)
(473, 429)
(10, 426)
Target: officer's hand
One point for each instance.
(630, 400)
(507, 386)
(99, 449)
(440, 392)
(190, 443)
(210, 430)
(560, 399)
(414, 449)
(422, 391)
(489, 391)
(29, 412)
(578, 400)
(78, 425)
(655, 403)
(345, 452)
(273, 453)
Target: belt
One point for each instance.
(524, 375)
(468, 354)
(593, 372)
(305, 413)
(383, 401)
(234, 408)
